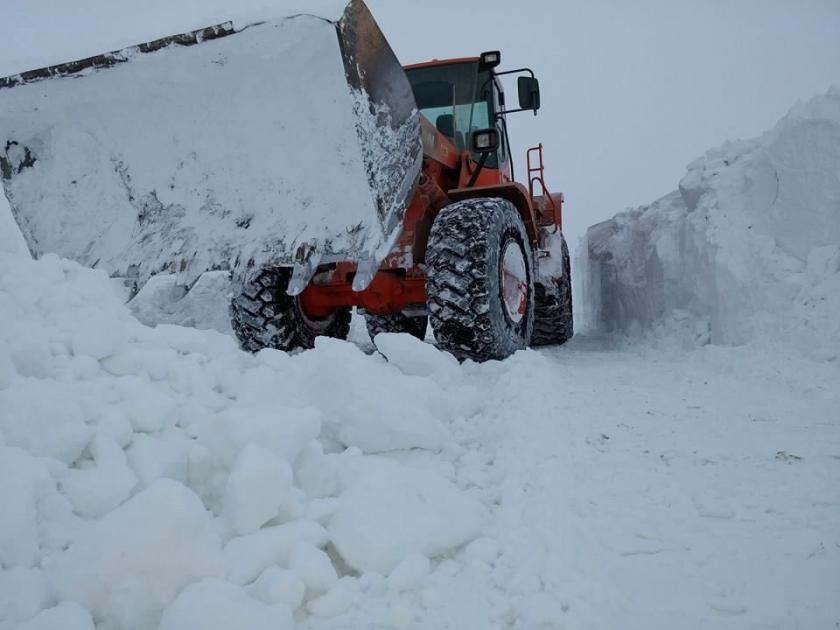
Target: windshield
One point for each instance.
(448, 96)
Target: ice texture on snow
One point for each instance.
(745, 249)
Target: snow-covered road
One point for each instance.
(647, 488)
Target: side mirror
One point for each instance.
(485, 140)
(529, 93)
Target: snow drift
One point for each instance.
(160, 477)
(747, 248)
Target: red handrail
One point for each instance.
(537, 174)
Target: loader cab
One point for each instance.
(460, 97)
(453, 96)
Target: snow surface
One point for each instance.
(747, 248)
(592, 486)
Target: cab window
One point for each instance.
(448, 96)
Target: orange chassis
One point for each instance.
(400, 283)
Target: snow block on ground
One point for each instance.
(389, 512)
(356, 413)
(259, 485)
(414, 357)
(248, 556)
(23, 593)
(204, 305)
(216, 605)
(97, 490)
(24, 483)
(128, 566)
(743, 251)
(65, 616)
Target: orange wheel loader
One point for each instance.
(298, 154)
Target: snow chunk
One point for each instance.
(357, 414)
(128, 566)
(391, 511)
(97, 337)
(284, 431)
(164, 455)
(24, 482)
(203, 306)
(409, 573)
(98, 490)
(279, 586)
(65, 616)
(23, 593)
(248, 556)
(335, 602)
(314, 567)
(44, 420)
(217, 605)
(414, 357)
(260, 484)
(7, 369)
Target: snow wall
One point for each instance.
(747, 248)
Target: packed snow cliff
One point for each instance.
(747, 249)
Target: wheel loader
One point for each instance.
(298, 154)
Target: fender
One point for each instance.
(514, 192)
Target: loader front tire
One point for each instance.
(553, 318)
(396, 323)
(263, 316)
(480, 280)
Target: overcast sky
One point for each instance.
(633, 90)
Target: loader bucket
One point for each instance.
(290, 141)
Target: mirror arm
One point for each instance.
(516, 111)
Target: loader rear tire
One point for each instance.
(553, 318)
(480, 280)
(263, 316)
(396, 323)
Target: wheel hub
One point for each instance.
(514, 282)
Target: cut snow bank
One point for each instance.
(747, 248)
(149, 475)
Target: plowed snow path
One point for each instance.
(644, 488)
